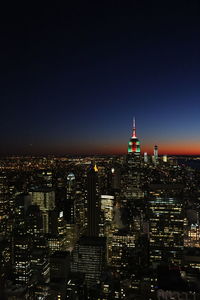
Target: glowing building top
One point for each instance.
(134, 143)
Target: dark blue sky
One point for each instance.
(73, 77)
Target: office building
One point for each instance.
(89, 257)
(93, 205)
(45, 199)
(166, 224)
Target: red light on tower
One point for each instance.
(134, 143)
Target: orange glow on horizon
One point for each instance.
(164, 148)
(178, 148)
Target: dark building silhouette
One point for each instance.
(59, 272)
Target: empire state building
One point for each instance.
(134, 143)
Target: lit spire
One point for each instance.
(95, 168)
(134, 128)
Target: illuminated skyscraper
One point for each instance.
(106, 213)
(21, 243)
(192, 236)
(155, 154)
(120, 249)
(93, 209)
(165, 158)
(166, 221)
(4, 205)
(22, 259)
(57, 238)
(134, 143)
(130, 179)
(88, 257)
(70, 182)
(45, 199)
(145, 157)
(107, 207)
(69, 205)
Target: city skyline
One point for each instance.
(73, 77)
(170, 147)
(100, 150)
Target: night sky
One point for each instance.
(73, 77)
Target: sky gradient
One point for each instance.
(73, 77)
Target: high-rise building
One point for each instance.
(57, 237)
(145, 157)
(45, 199)
(69, 206)
(28, 244)
(89, 257)
(21, 258)
(59, 272)
(155, 154)
(45, 178)
(164, 158)
(76, 288)
(130, 177)
(38, 246)
(5, 264)
(120, 249)
(115, 178)
(134, 143)
(192, 236)
(93, 208)
(4, 205)
(33, 224)
(166, 224)
(70, 183)
(106, 214)
(59, 265)
(107, 204)
(21, 244)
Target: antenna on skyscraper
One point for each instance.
(133, 122)
(134, 129)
